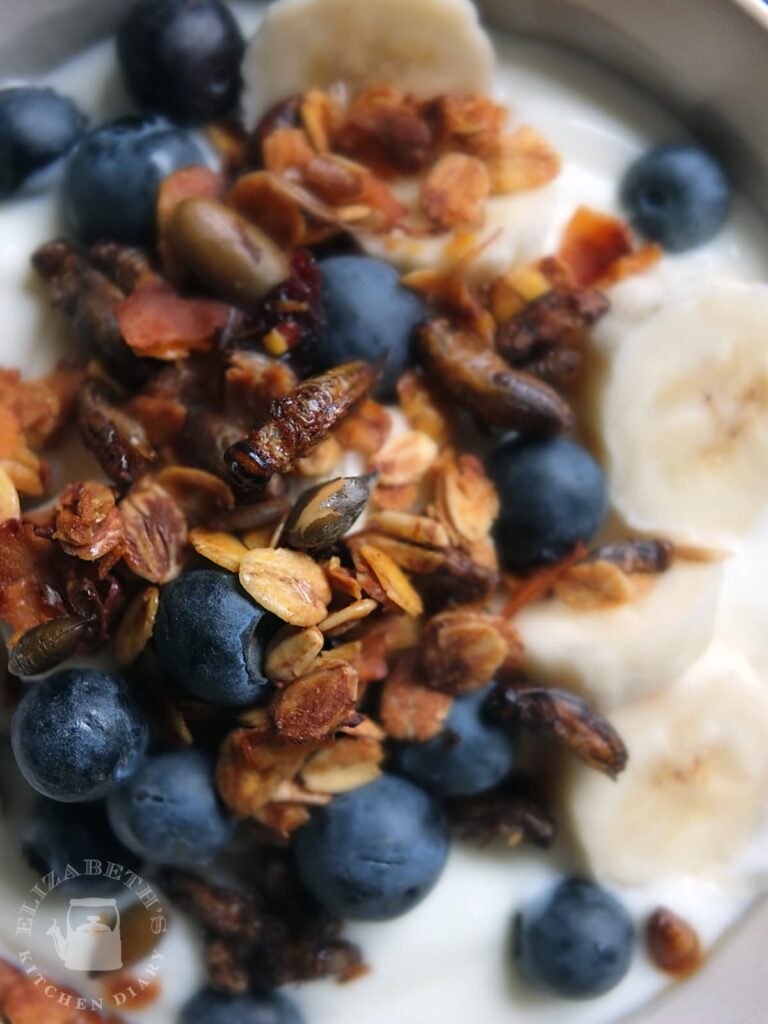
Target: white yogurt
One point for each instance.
(448, 960)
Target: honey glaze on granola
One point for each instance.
(448, 958)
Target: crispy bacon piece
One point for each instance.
(298, 422)
(30, 577)
(592, 243)
(156, 321)
(43, 406)
(476, 376)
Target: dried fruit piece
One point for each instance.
(30, 576)
(673, 944)
(137, 625)
(199, 495)
(592, 243)
(10, 507)
(366, 428)
(45, 646)
(393, 581)
(156, 321)
(558, 715)
(511, 817)
(409, 710)
(521, 161)
(298, 422)
(594, 584)
(385, 130)
(222, 549)
(455, 191)
(416, 529)
(636, 555)
(155, 532)
(287, 583)
(88, 523)
(291, 652)
(461, 651)
(252, 766)
(323, 514)
(117, 440)
(348, 764)
(346, 618)
(314, 706)
(404, 458)
(478, 378)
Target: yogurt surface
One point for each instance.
(449, 959)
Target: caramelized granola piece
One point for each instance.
(673, 944)
(511, 817)
(556, 714)
(156, 321)
(117, 440)
(455, 192)
(385, 130)
(298, 422)
(461, 651)
(477, 377)
(88, 525)
(592, 243)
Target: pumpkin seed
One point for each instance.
(45, 646)
(323, 514)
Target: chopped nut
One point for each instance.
(155, 532)
(10, 507)
(461, 651)
(291, 653)
(395, 498)
(137, 625)
(478, 378)
(409, 710)
(590, 585)
(348, 764)
(323, 458)
(322, 515)
(318, 703)
(455, 192)
(251, 768)
(405, 458)
(222, 549)
(345, 618)
(200, 495)
(673, 944)
(45, 646)
(523, 160)
(394, 582)
(287, 583)
(88, 524)
(416, 529)
(366, 428)
(559, 715)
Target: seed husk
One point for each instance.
(323, 514)
(45, 646)
(233, 257)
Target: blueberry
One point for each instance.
(170, 812)
(577, 943)
(182, 57)
(210, 638)
(369, 315)
(677, 196)
(59, 836)
(373, 853)
(553, 494)
(79, 734)
(37, 128)
(110, 187)
(469, 756)
(211, 1007)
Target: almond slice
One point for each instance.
(222, 549)
(287, 583)
(393, 580)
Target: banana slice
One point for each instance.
(696, 782)
(616, 655)
(684, 415)
(427, 47)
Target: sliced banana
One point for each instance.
(427, 47)
(696, 781)
(615, 655)
(684, 415)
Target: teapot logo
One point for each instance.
(93, 945)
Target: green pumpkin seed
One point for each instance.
(323, 514)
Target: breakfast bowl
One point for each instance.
(372, 656)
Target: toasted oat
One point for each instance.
(341, 580)
(88, 524)
(421, 409)
(416, 529)
(286, 148)
(283, 818)
(319, 116)
(455, 191)
(137, 625)
(155, 532)
(291, 652)
(590, 585)
(261, 537)
(468, 497)
(461, 651)
(348, 764)
(673, 944)
(404, 459)
(261, 198)
(410, 557)
(317, 703)
(323, 458)
(523, 160)
(251, 767)
(365, 728)
(346, 618)
(409, 710)
(287, 583)
(200, 495)
(222, 549)
(396, 498)
(10, 507)
(366, 429)
(394, 582)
